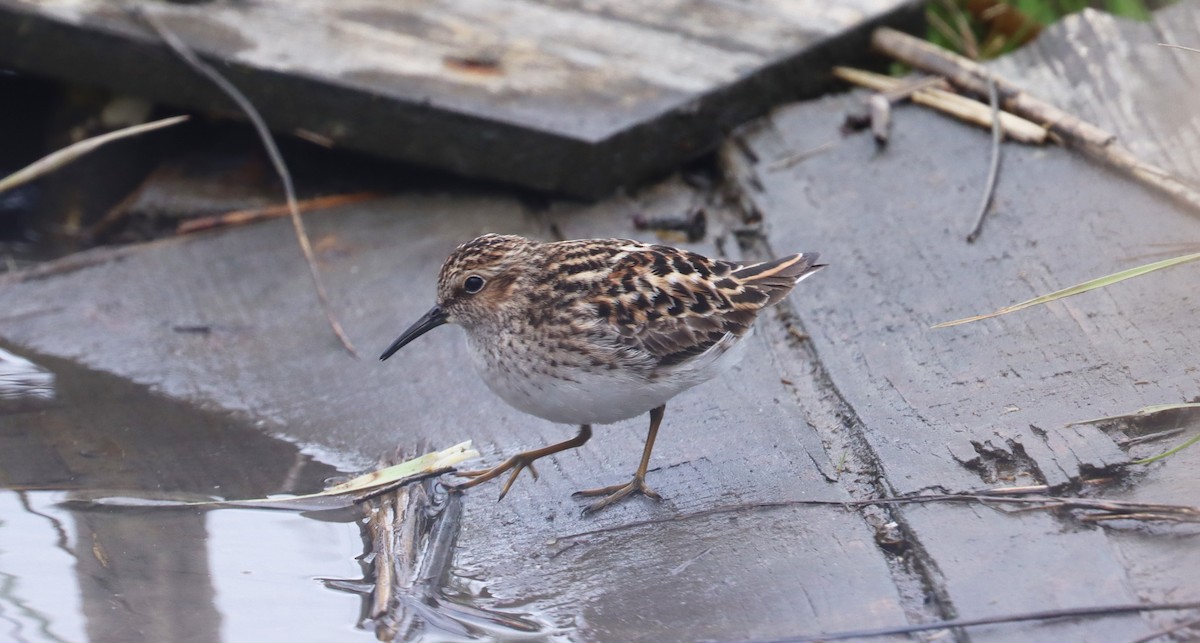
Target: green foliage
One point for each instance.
(986, 29)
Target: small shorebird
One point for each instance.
(594, 331)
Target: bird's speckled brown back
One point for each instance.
(652, 306)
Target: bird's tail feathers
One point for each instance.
(777, 278)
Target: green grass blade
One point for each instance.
(1166, 454)
(70, 153)
(1079, 288)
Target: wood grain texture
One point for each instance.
(984, 404)
(877, 402)
(1111, 71)
(734, 442)
(543, 93)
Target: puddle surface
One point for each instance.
(120, 574)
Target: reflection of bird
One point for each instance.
(594, 331)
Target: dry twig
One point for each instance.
(1016, 496)
(1070, 130)
(1167, 631)
(251, 215)
(187, 55)
(960, 107)
(989, 189)
(1070, 612)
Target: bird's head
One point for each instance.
(475, 283)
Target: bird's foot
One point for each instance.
(520, 462)
(517, 463)
(615, 494)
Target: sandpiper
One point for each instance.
(594, 331)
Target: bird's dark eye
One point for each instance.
(473, 284)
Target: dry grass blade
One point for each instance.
(1091, 509)
(353, 490)
(430, 461)
(1166, 631)
(1144, 412)
(1099, 611)
(1079, 288)
(1170, 46)
(1026, 498)
(70, 153)
(792, 159)
(260, 126)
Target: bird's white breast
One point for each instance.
(595, 395)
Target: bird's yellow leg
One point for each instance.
(522, 461)
(616, 493)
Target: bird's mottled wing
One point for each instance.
(664, 304)
(677, 305)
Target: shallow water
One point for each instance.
(120, 574)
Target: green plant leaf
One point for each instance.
(1079, 288)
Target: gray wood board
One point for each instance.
(1113, 72)
(573, 97)
(738, 441)
(877, 402)
(988, 404)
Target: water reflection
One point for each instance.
(170, 575)
(72, 570)
(21, 378)
(155, 574)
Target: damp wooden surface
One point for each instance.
(990, 403)
(739, 440)
(876, 402)
(1114, 72)
(562, 95)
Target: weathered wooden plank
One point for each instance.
(1113, 72)
(985, 404)
(563, 95)
(734, 443)
(989, 404)
(880, 403)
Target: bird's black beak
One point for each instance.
(429, 321)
